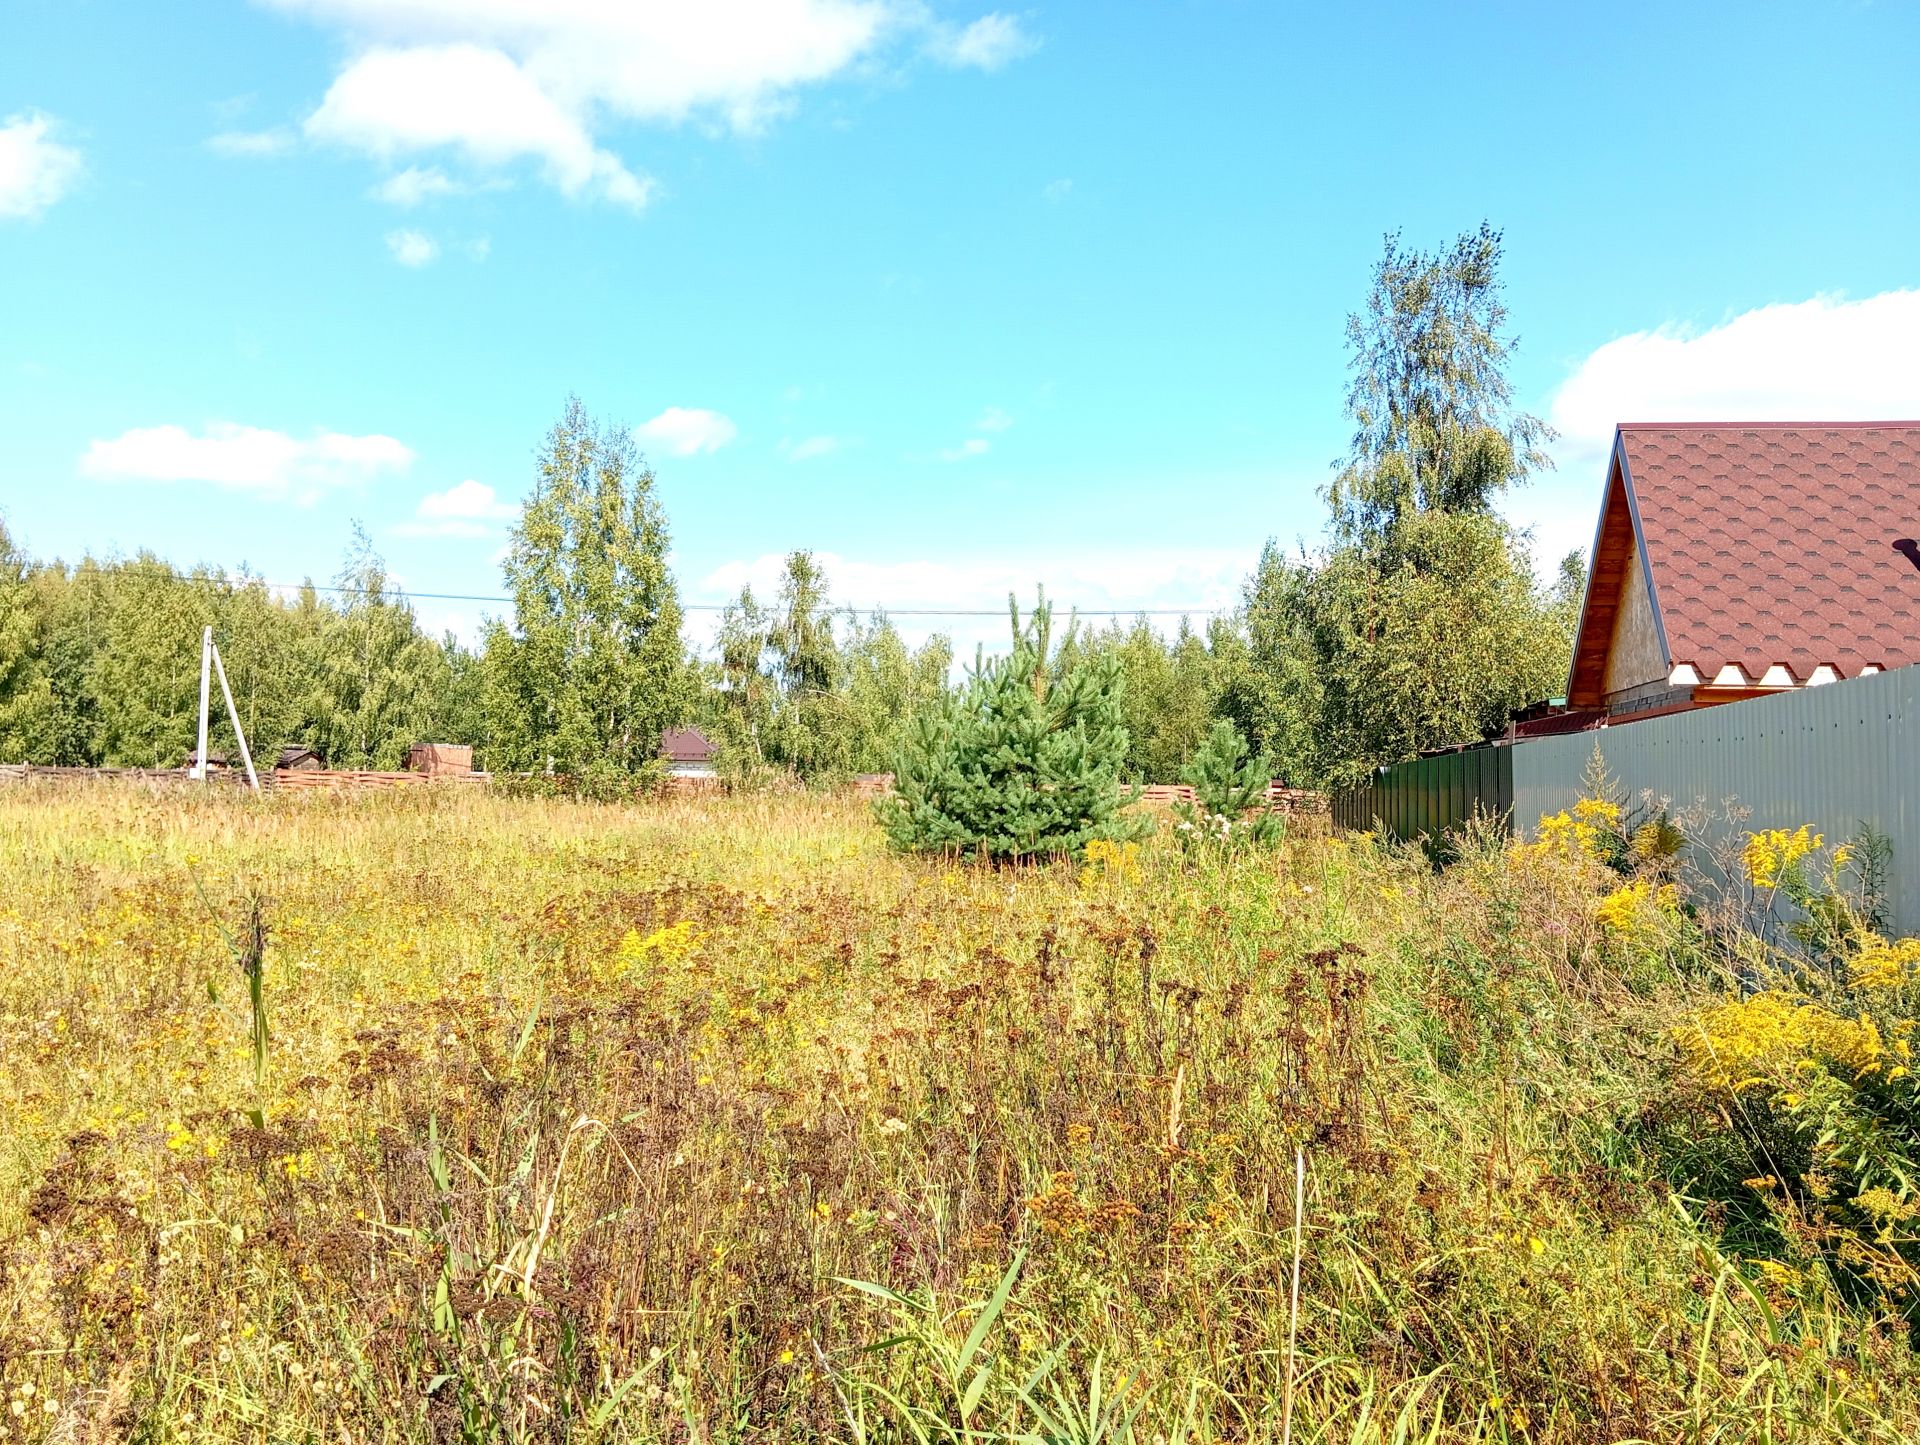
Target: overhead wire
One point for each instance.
(722, 606)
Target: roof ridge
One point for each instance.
(1890, 425)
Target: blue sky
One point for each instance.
(962, 297)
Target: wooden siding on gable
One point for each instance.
(1635, 657)
(1614, 548)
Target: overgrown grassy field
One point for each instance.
(712, 1120)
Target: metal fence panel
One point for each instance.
(1429, 797)
(1834, 756)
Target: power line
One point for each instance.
(722, 606)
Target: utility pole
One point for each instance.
(199, 769)
(209, 663)
(234, 713)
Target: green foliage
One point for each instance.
(1430, 400)
(1423, 624)
(888, 685)
(378, 679)
(802, 691)
(1172, 689)
(592, 670)
(1229, 810)
(100, 663)
(1368, 661)
(26, 691)
(1023, 762)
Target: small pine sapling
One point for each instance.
(1022, 762)
(1230, 809)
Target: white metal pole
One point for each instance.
(199, 769)
(234, 713)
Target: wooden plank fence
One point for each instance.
(1280, 798)
(345, 780)
(291, 781)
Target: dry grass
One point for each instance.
(575, 1122)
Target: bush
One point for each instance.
(1023, 762)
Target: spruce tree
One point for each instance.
(1022, 762)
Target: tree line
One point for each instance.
(1415, 620)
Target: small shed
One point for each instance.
(440, 760)
(296, 759)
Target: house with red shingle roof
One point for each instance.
(688, 752)
(1733, 560)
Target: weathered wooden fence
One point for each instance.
(289, 781)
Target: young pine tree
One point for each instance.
(1229, 781)
(1022, 762)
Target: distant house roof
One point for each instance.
(1765, 545)
(686, 745)
(295, 756)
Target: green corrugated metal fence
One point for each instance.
(1429, 797)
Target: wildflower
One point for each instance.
(1770, 855)
(1107, 860)
(1744, 1043)
(786, 1357)
(894, 1126)
(1597, 811)
(1883, 965)
(1583, 832)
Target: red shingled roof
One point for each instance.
(1781, 542)
(686, 745)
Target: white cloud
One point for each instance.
(464, 510)
(1058, 191)
(252, 144)
(685, 430)
(993, 419)
(417, 184)
(475, 100)
(971, 447)
(479, 249)
(812, 447)
(35, 169)
(269, 464)
(468, 499)
(987, 44)
(1827, 359)
(505, 80)
(413, 248)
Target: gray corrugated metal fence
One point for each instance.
(1835, 756)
